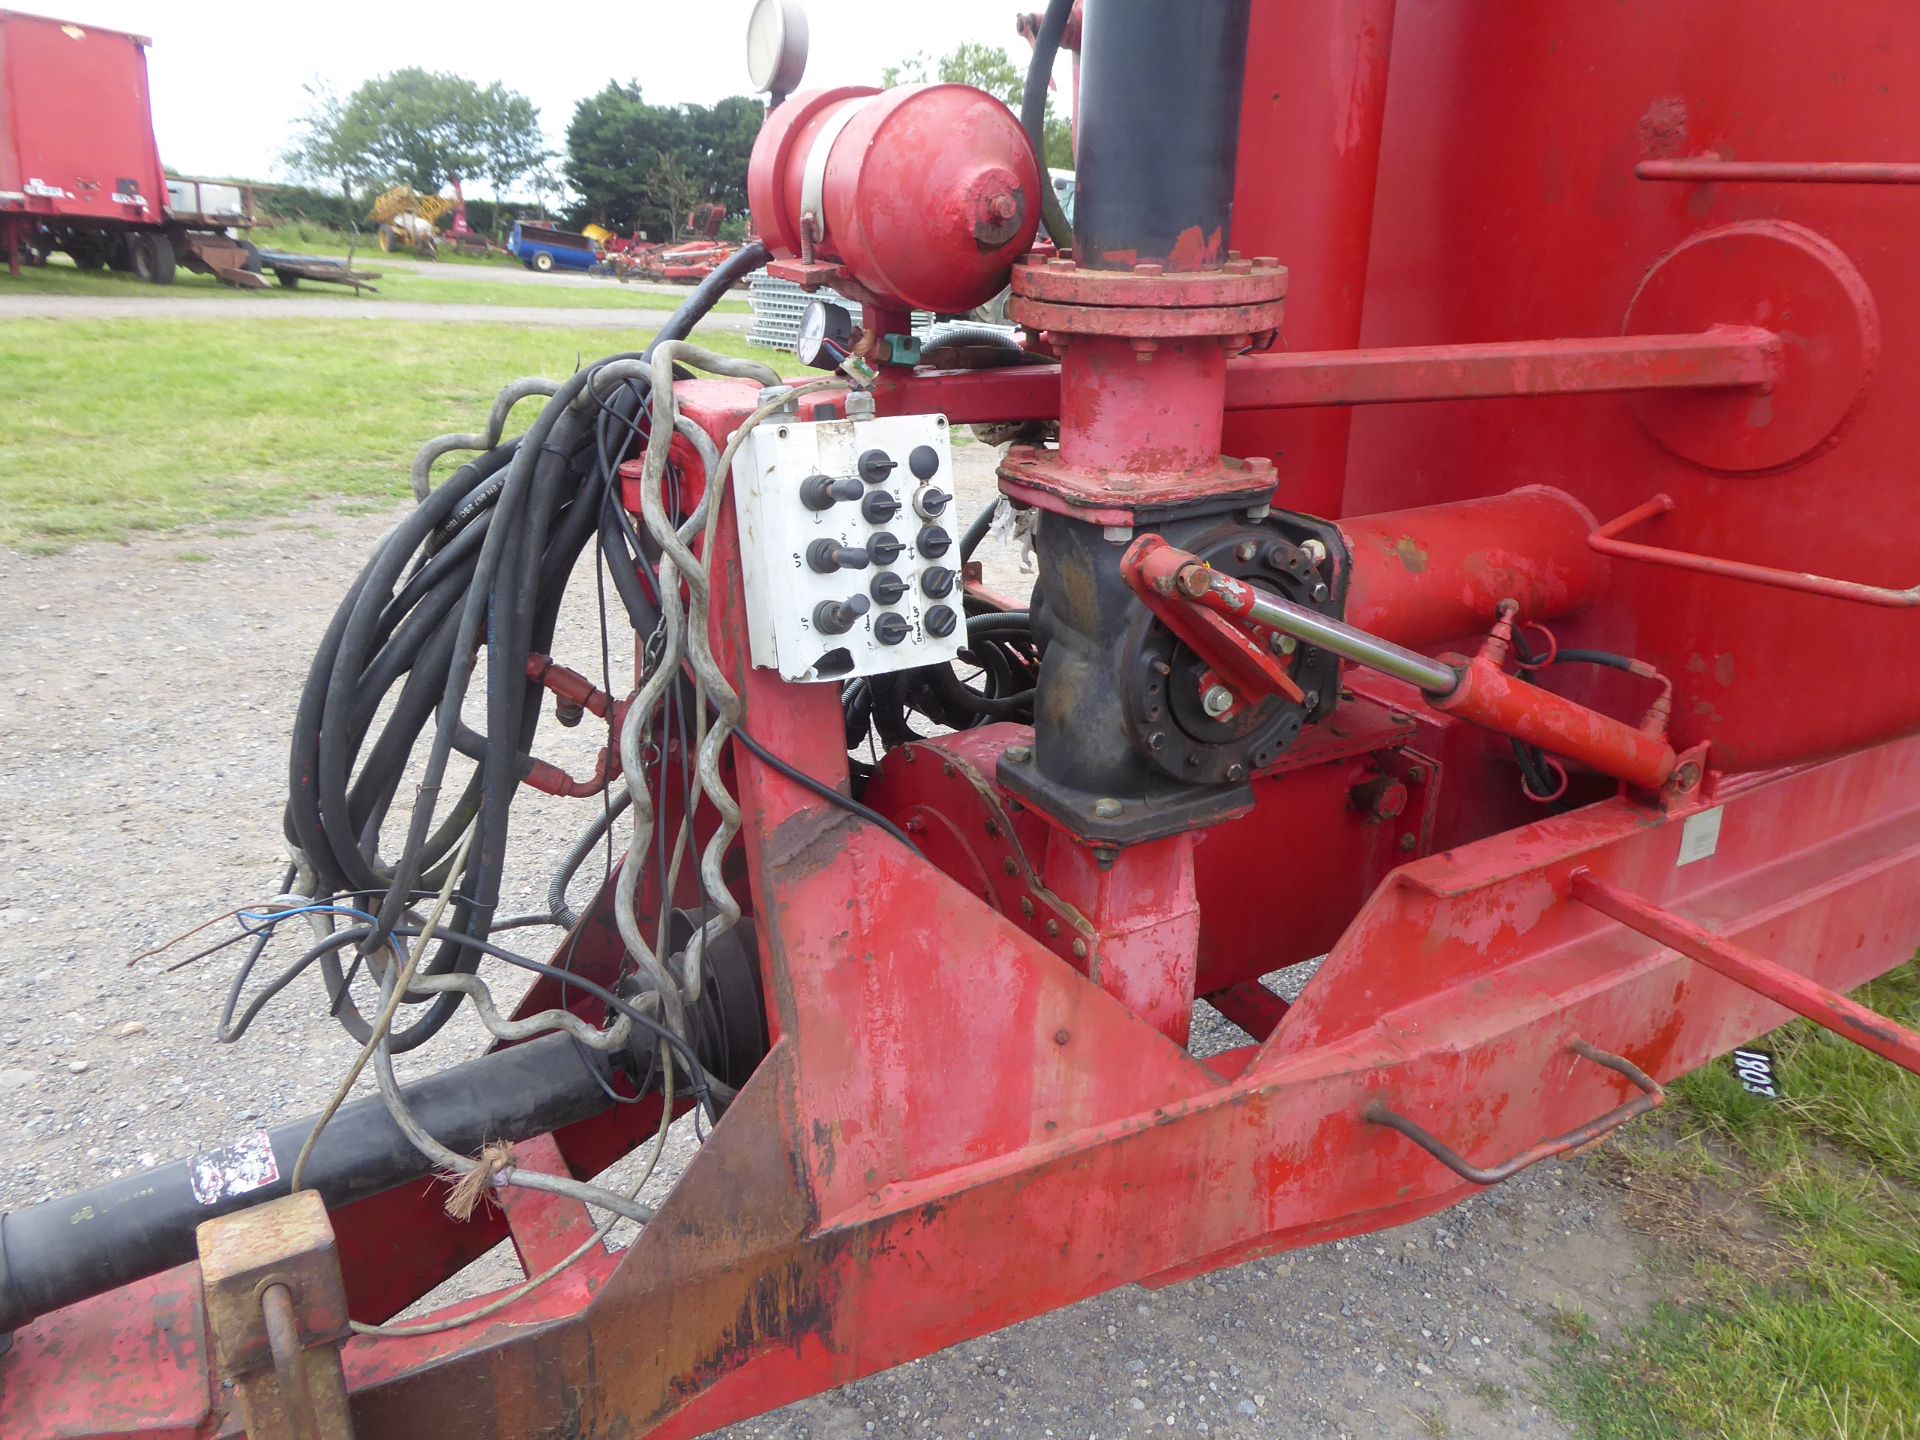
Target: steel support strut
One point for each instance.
(1826, 1007)
(1726, 358)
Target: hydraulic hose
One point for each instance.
(488, 554)
(1033, 115)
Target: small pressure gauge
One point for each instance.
(777, 46)
(826, 332)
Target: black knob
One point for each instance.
(884, 547)
(937, 581)
(836, 617)
(931, 501)
(924, 462)
(933, 542)
(826, 556)
(875, 466)
(891, 628)
(819, 492)
(879, 507)
(887, 588)
(941, 620)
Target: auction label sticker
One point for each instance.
(237, 1169)
(1758, 1073)
(1700, 836)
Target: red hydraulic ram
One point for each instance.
(1477, 690)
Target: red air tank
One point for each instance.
(927, 193)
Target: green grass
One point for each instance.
(1807, 1321)
(319, 240)
(59, 277)
(108, 428)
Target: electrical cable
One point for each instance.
(824, 791)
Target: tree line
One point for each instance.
(628, 164)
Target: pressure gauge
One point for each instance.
(777, 46)
(826, 332)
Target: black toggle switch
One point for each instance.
(940, 621)
(826, 556)
(937, 581)
(884, 547)
(891, 628)
(836, 617)
(819, 492)
(933, 542)
(931, 501)
(879, 507)
(875, 466)
(887, 588)
(924, 462)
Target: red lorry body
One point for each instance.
(76, 130)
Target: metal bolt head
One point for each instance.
(1026, 906)
(1320, 592)
(1107, 809)
(1259, 512)
(1007, 864)
(1217, 701)
(1314, 550)
(1236, 772)
(1282, 644)
(1079, 949)
(1157, 741)
(860, 405)
(1245, 551)
(1408, 843)
(1686, 777)
(1116, 534)
(775, 394)
(1019, 754)
(1053, 928)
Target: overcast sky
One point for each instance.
(228, 80)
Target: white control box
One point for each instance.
(849, 546)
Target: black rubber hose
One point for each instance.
(726, 275)
(977, 531)
(493, 547)
(1594, 657)
(65, 1250)
(1033, 115)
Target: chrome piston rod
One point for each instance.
(1350, 644)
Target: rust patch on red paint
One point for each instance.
(1411, 553)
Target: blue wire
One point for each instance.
(270, 919)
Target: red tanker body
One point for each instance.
(80, 170)
(1465, 449)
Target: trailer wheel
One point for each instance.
(287, 282)
(543, 262)
(88, 252)
(152, 258)
(386, 239)
(120, 252)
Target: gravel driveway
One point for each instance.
(144, 704)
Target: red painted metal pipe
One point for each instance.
(1846, 1018)
(1606, 541)
(1441, 571)
(1726, 357)
(1781, 172)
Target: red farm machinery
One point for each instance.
(80, 171)
(1463, 448)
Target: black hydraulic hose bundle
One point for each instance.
(486, 558)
